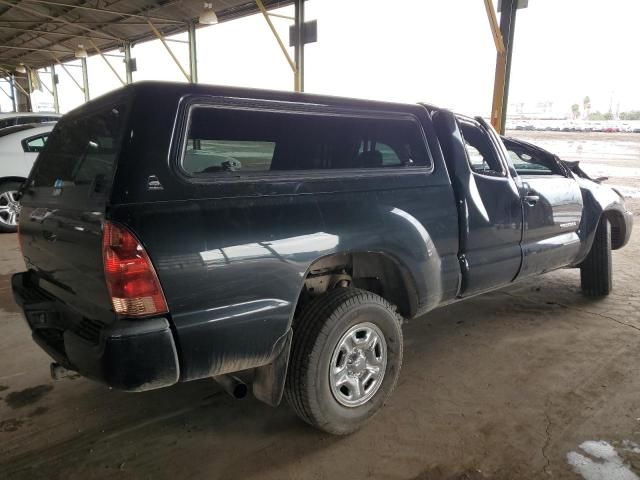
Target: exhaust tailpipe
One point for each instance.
(232, 385)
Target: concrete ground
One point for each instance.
(534, 381)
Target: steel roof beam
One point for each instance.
(102, 25)
(168, 48)
(54, 88)
(193, 53)
(115, 72)
(102, 10)
(495, 28)
(64, 67)
(86, 22)
(41, 14)
(291, 62)
(37, 49)
(62, 34)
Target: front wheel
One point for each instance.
(595, 271)
(345, 359)
(9, 207)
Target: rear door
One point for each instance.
(553, 206)
(64, 203)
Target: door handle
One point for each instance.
(531, 199)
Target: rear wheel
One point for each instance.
(9, 207)
(345, 359)
(595, 270)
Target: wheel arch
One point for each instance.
(602, 202)
(375, 271)
(618, 228)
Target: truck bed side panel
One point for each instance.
(232, 256)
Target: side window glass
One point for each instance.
(526, 164)
(476, 159)
(482, 155)
(387, 156)
(209, 156)
(237, 140)
(36, 144)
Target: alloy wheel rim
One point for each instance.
(358, 365)
(9, 208)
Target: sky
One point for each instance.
(440, 52)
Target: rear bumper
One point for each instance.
(131, 355)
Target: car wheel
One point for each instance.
(345, 359)
(9, 207)
(595, 270)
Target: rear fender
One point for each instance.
(232, 297)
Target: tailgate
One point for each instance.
(63, 206)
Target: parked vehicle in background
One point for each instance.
(285, 235)
(23, 118)
(19, 147)
(556, 125)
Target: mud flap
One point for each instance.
(268, 380)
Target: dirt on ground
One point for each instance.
(531, 382)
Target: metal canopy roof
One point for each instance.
(42, 32)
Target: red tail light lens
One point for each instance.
(131, 279)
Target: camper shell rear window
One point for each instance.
(82, 150)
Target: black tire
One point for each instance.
(595, 271)
(317, 332)
(7, 188)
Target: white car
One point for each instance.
(19, 147)
(22, 118)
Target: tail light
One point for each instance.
(131, 279)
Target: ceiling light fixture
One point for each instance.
(208, 15)
(21, 68)
(81, 52)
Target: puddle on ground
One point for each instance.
(27, 396)
(601, 461)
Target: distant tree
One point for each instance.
(608, 115)
(575, 111)
(586, 106)
(597, 115)
(631, 115)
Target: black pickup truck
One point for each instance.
(175, 232)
